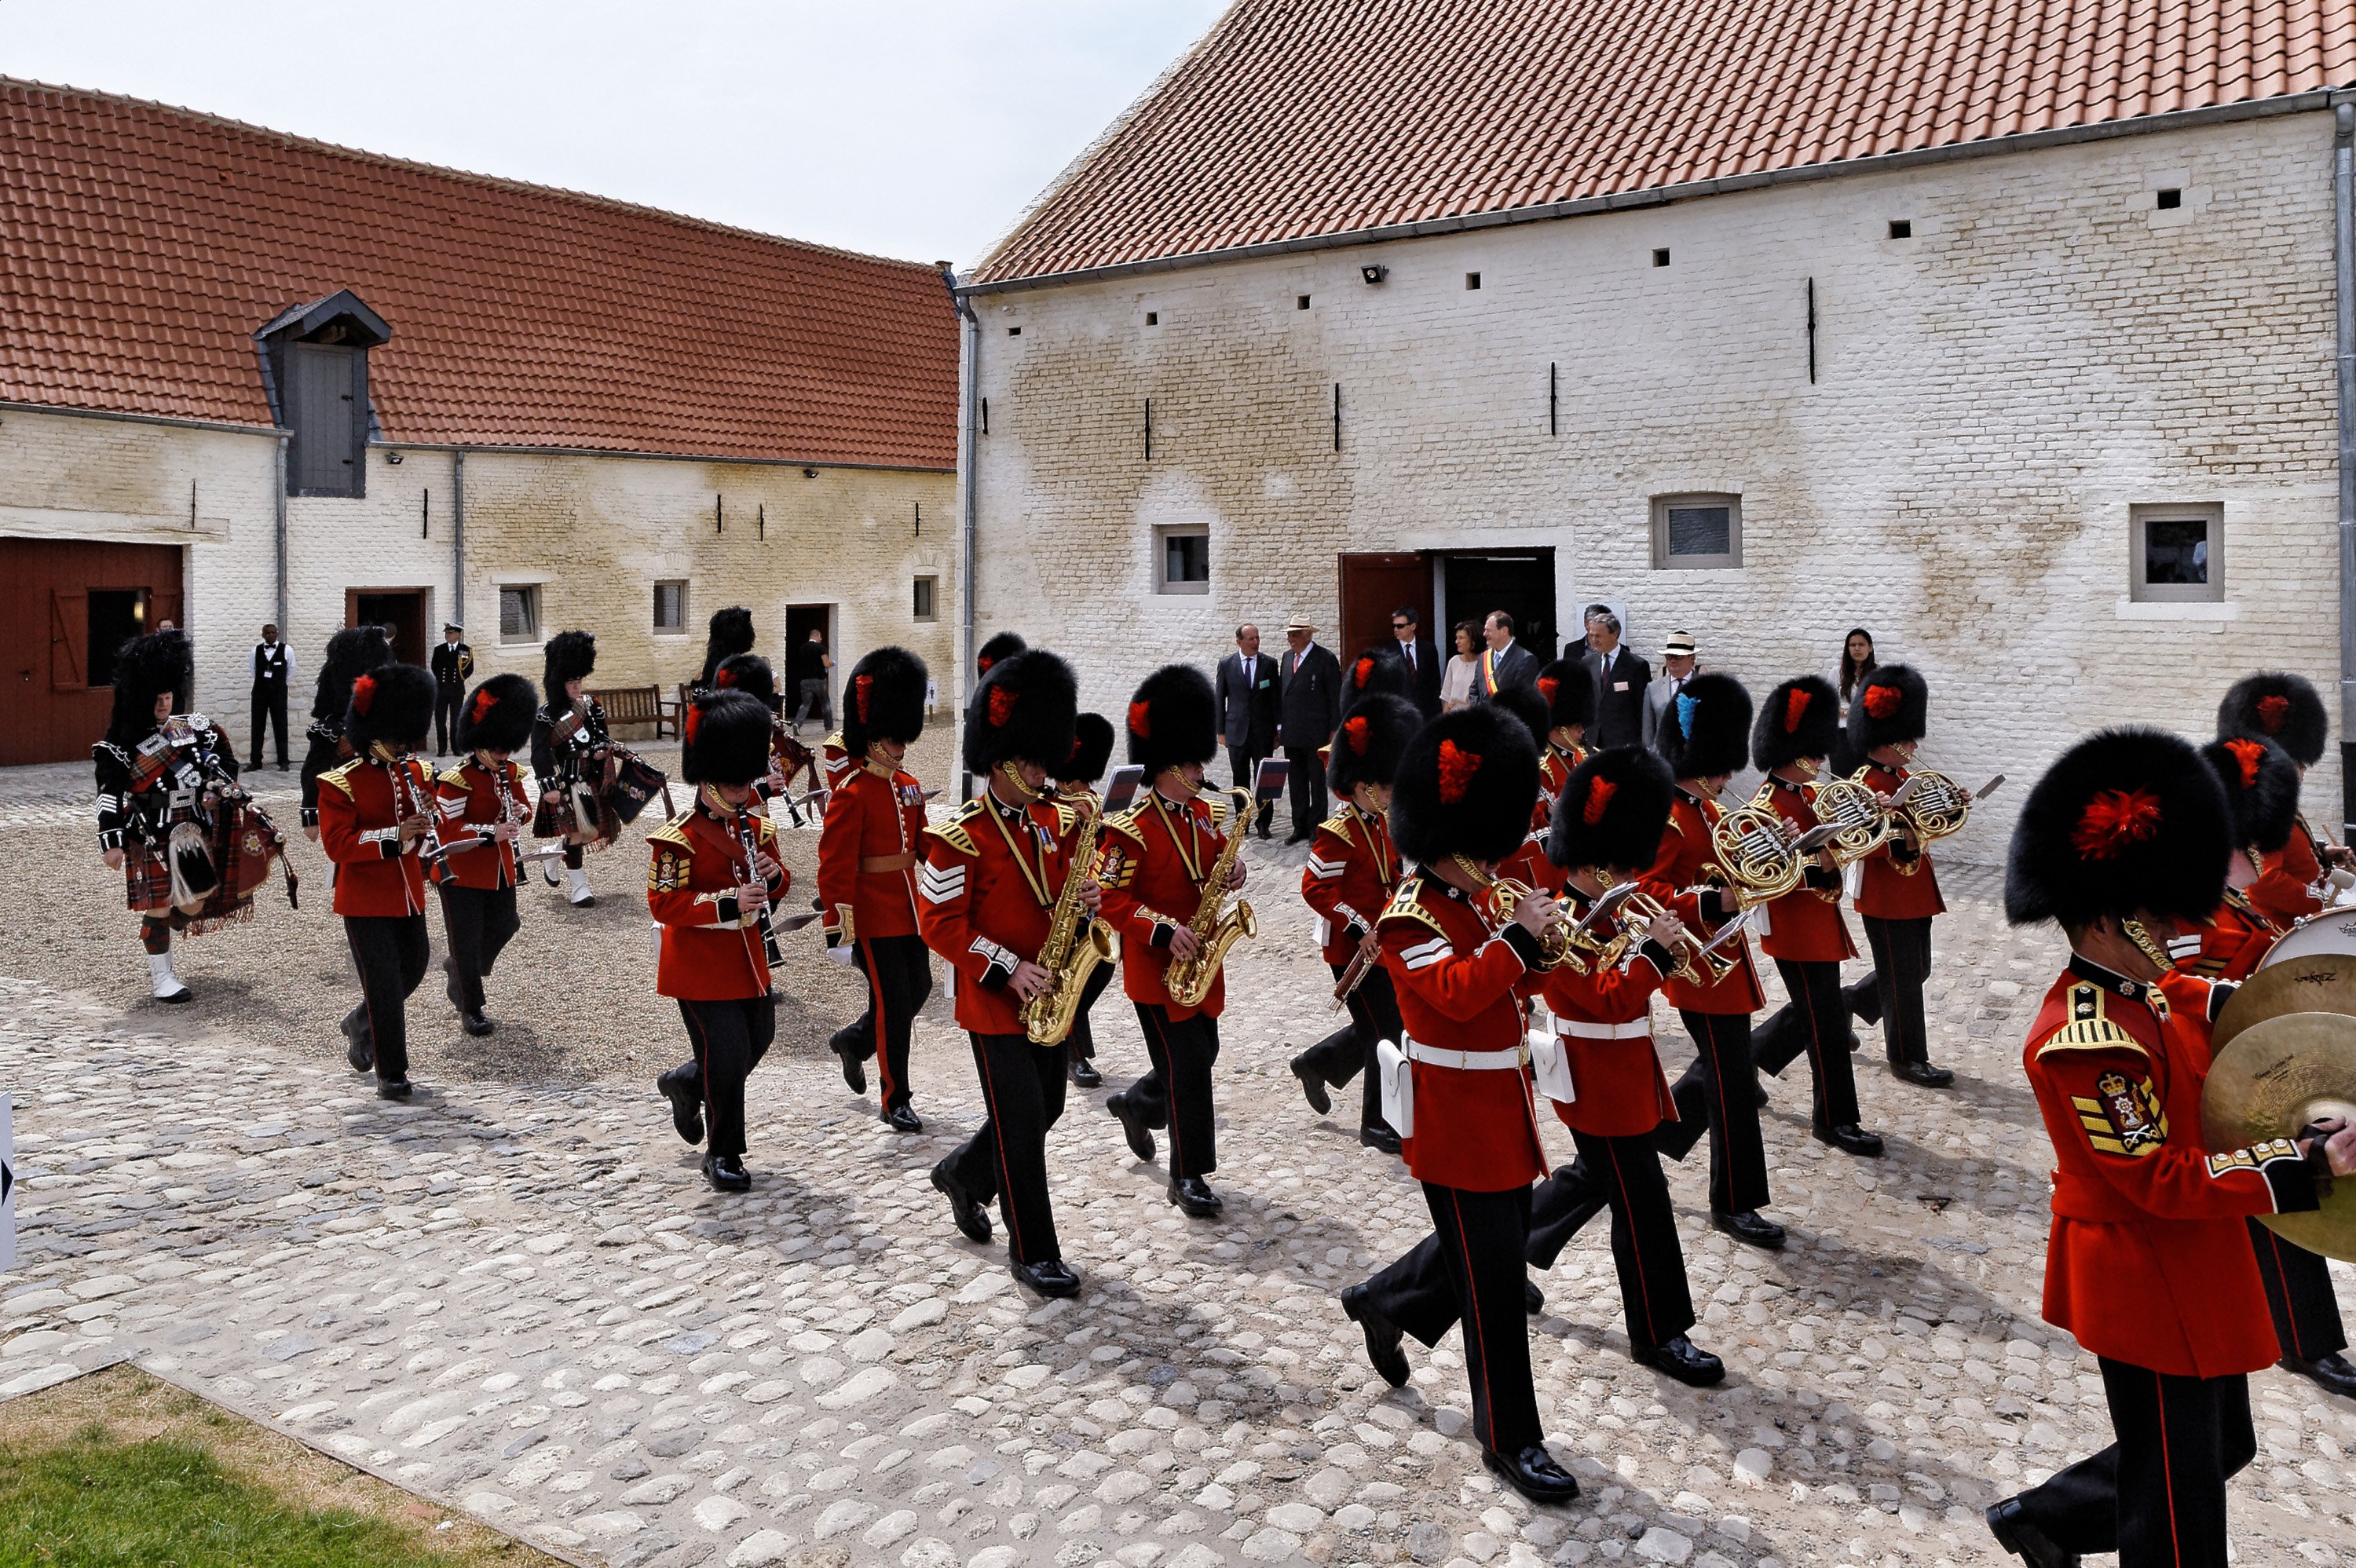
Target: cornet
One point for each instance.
(1637, 911)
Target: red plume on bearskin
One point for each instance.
(1457, 767)
(1027, 711)
(1599, 800)
(884, 700)
(1141, 721)
(2129, 822)
(1173, 719)
(694, 724)
(1795, 708)
(2273, 712)
(2281, 706)
(485, 700)
(1463, 784)
(1548, 686)
(1354, 729)
(1881, 701)
(1001, 705)
(723, 678)
(364, 694)
(1362, 671)
(1373, 738)
(1799, 720)
(1613, 810)
(2247, 755)
(864, 688)
(2116, 820)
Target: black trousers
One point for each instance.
(1469, 1270)
(1306, 780)
(729, 1038)
(2299, 1292)
(1006, 1158)
(1718, 1092)
(1349, 1050)
(478, 922)
(1901, 963)
(447, 700)
(1082, 1037)
(1242, 762)
(1624, 1174)
(391, 951)
(2156, 1497)
(1814, 1021)
(899, 977)
(269, 709)
(1177, 1091)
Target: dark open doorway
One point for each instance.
(400, 610)
(806, 661)
(1519, 582)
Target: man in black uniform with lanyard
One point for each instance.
(453, 661)
(273, 671)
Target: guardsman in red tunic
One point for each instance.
(1468, 1129)
(2277, 706)
(350, 654)
(1705, 737)
(483, 807)
(376, 817)
(1897, 891)
(751, 674)
(1075, 778)
(1528, 865)
(867, 855)
(1154, 862)
(986, 899)
(1352, 870)
(2124, 845)
(1570, 693)
(1608, 818)
(1803, 931)
(714, 876)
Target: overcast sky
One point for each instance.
(909, 128)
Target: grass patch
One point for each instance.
(120, 1469)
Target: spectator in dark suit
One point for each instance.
(1423, 660)
(1620, 681)
(1246, 693)
(1309, 706)
(1504, 662)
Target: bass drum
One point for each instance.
(2333, 931)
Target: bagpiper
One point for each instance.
(351, 653)
(1352, 874)
(569, 745)
(2277, 706)
(2123, 844)
(377, 813)
(483, 807)
(714, 876)
(1155, 866)
(1897, 889)
(729, 634)
(867, 854)
(1075, 781)
(995, 877)
(1468, 1128)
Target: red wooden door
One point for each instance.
(52, 593)
(1372, 587)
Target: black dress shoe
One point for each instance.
(474, 1023)
(1855, 1044)
(2333, 1371)
(1312, 1088)
(686, 1108)
(1533, 1298)
(2010, 1525)
(726, 1173)
(1759, 1088)
(1383, 1352)
(1922, 1073)
(1298, 839)
(360, 1042)
(1379, 1136)
(847, 1046)
(1533, 1474)
(900, 1119)
(973, 1219)
(1085, 1074)
(1750, 1226)
(1048, 1276)
(1850, 1138)
(1680, 1359)
(1132, 1127)
(1195, 1196)
(392, 1088)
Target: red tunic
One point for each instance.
(360, 828)
(2228, 946)
(2284, 890)
(1621, 1091)
(470, 799)
(1152, 863)
(990, 882)
(1894, 882)
(1352, 871)
(2149, 1261)
(1805, 926)
(834, 764)
(867, 853)
(1688, 860)
(712, 948)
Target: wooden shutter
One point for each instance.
(68, 639)
(323, 392)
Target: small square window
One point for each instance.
(1182, 560)
(1013, 332)
(1696, 532)
(670, 606)
(2176, 554)
(1153, 318)
(1300, 301)
(1471, 280)
(2169, 199)
(1901, 229)
(928, 599)
(1660, 258)
(519, 614)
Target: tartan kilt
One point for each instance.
(146, 878)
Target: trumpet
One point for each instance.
(1637, 911)
(1500, 896)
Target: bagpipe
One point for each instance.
(203, 857)
(604, 786)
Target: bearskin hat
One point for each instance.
(1524, 704)
(1367, 748)
(351, 653)
(1375, 673)
(1466, 786)
(497, 715)
(1705, 729)
(1611, 810)
(882, 700)
(1000, 647)
(732, 632)
(2261, 784)
(1800, 719)
(1024, 709)
(1172, 719)
(393, 703)
(1891, 707)
(1568, 692)
(2283, 708)
(2125, 820)
(750, 674)
(724, 738)
(570, 656)
(146, 668)
(1091, 750)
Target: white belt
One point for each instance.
(1467, 1061)
(1579, 1028)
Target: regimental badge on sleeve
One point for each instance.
(2122, 1119)
(666, 873)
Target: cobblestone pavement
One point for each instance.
(522, 1301)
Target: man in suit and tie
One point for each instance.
(1678, 666)
(1504, 662)
(1423, 660)
(1309, 707)
(1620, 681)
(1247, 694)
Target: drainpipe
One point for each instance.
(2343, 224)
(278, 538)
(968, 464)
(459, 535)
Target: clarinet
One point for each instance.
(747, 840)
(430, 852)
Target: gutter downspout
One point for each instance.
(968, 463)
(459, 535)
(278, 537)
(2343, 215)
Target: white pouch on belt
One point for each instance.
(1550, 1067)
(1399, 1087)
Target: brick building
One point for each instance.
(2006, 331)
(248, 378)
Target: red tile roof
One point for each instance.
(1299, 118)
(142, 245)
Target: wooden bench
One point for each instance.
(638, 705)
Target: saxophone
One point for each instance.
(1047, 1018)
(1189, 981)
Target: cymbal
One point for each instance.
(2279, 1074)
(2319, 983)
